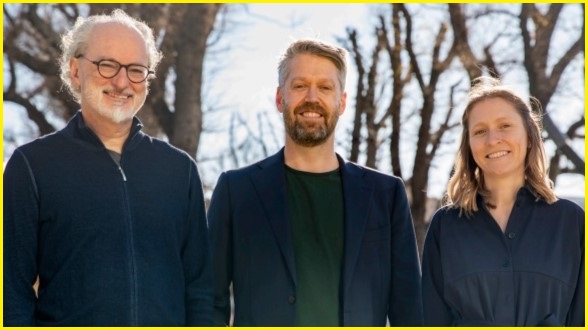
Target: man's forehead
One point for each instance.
(309, 56)
(313, 63)
(108, 37)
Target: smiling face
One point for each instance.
(116, 99)
(498, 139)
(311, 100)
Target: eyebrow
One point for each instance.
(499, 119)
(320, 80)
(115, 60)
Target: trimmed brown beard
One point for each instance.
(309, 135)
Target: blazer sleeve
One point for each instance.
(219, 217)
(405, 307)
(436, 312)
(21, 221)
(196, 258)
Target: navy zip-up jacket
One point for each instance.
(112, 245)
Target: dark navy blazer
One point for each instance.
(253, 249)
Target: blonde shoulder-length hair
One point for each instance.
(468, 179)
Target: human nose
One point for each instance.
(312, 94)
(493, 137)
(121, 79)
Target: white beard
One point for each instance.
(118, 112)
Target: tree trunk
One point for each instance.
(198, 22)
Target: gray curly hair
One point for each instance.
(75, 42)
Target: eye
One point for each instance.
(108, 65)
(137, 69)
(108, 68)
(505, 125)
(478, 132)
(326, 88)
(138, 72)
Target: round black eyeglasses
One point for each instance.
(136, 73)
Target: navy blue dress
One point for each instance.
(532, 274)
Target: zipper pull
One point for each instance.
(122, 173)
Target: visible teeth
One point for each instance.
(497, 154)
(118, 96)
(310, 114)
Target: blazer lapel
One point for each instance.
(270, 183)
(356, 196)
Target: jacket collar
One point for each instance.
(78, 129)
(357, 197)
(270, 185)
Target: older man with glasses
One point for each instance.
(111, 222)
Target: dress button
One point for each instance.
(511, 235)
(291, 300)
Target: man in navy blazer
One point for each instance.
(304, 238)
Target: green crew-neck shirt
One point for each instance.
(315, 213)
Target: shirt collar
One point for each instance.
(525, 195)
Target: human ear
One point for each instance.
(279, 99)
(343, 103)
(74, 73)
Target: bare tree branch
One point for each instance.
(355, 52)
(541, 84)
(33, 113)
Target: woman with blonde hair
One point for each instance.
(504, 251)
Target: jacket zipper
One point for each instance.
(133, 310)
(124, 177)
